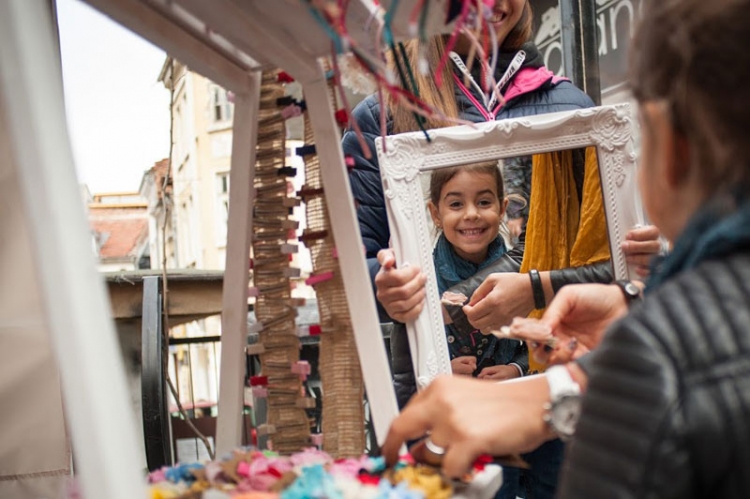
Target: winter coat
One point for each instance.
(666, 409)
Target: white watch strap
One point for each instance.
(561, 382)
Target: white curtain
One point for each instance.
(35, 456)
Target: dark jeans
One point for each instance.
(538, 482)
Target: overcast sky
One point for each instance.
(118, 114)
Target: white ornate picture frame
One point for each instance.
(403, 157)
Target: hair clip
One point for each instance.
(287, 171)
(309, 330)
(316, 279)
(289, 249)
(316, 439)
(313, 235)
(255, 349)
(301, 368)
(305, 150)
(259, 380)
(284, 77)
(292, 272)
(259, 392)
(307, 192)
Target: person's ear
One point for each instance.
(503, 206)
(677, 161)
(435, 214)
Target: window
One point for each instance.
(221, 108)
(222, 207)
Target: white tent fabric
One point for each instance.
(35, 452)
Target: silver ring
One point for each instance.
(432, 447)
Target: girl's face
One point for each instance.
(469, 213)
(505, 16)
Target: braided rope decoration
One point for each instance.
(274, 307)
(341, 376)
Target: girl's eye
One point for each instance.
(485, 202)
(455, 204)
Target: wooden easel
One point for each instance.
(228, 41)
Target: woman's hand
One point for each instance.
(500, 298)
(400, 291)
(515, 227)
(580, 312)
(640, 246)
(465, 365)
(470, 417)
(546, 347)
(499, 373)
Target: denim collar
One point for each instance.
(452, 269)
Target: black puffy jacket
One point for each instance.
(667, 409)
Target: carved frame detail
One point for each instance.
(402, 157)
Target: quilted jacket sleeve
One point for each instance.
(626, 435)
(364, 178)
(665, 413)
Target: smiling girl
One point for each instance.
(467, 205)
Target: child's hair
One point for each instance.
(443, 97)
(440, 177)
(691, 54)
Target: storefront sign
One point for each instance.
(615, 21)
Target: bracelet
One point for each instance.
(537, 289)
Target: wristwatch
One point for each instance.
(564, 407)
(631, 291)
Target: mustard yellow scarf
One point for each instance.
(560, 232)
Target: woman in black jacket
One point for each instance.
(667, 388)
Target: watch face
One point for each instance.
(564, 415)
(632, 290)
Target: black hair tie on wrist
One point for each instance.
(537, 289)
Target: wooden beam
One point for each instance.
(190, 295)
(76, 309)
(177, 41)
(231, 19)
(239, 230)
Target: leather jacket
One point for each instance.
(667, 408)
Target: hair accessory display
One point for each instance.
(272, 276)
